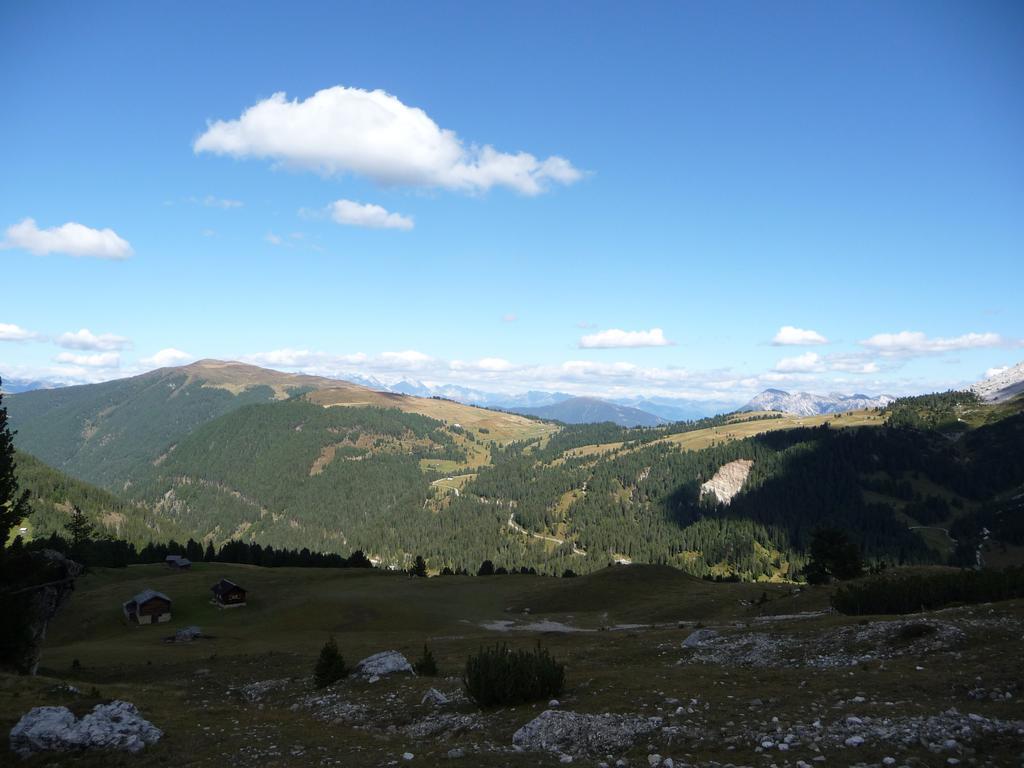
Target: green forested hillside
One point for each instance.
(54, 493)
(105, 433)
(343, 474)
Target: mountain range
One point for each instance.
(219, 450)
(809, 404)
(591, 410)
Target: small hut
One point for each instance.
(148, 607)
(178, 563)
(227, 594)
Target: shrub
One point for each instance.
(499, 676)
(912, 592)
(426, 665)
(330, 667)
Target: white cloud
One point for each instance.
(99, 360)
(72, 239)
(303, 358)
(615, 338)
(166, 357)
(86, 339)
(373, 134)
(509, 317)
(273, 239)
(219, 202)
(369, 215)
(409, 358)
(788, 335)
(11, 332)
(484, 364)
(996, 371)
(809, 362)
(915, 343)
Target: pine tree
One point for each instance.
(330, 667)
(426, 665)
(419, 568)
(14, 506)
(79, 528)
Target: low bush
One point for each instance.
(912, 592)
(499, 676)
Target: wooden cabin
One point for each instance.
(148, 607)
(178, 563)
(227, 594)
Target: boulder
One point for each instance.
(381, 664)
(117, 725)
(572, 733)
(187, 635)
(698, 637)
(42, 729)
(434, 697)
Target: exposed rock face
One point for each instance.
(43, 583)
(810, 404)
(1001, 385)
(728, 480)
(117, 725)
(381, 664)
(571, 733)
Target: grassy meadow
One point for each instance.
(623, 657)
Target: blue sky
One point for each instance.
(599, 198)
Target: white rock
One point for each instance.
(698, 637)
(408, 755)
(554, 703)
(654, 760)
(434, 697)
(117, 725)
(384, 663)
(854, 741)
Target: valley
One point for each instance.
(227, 451)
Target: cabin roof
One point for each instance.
(148, 594)
(225, 585)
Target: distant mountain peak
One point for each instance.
(810, 404)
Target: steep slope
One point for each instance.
(590, 410)
(106, 433)
(809, 404)
(1002, 386)
(55, 493)
(110, 433)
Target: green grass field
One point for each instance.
(192, 691)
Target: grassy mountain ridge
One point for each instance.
(108, 433)
(279, 461)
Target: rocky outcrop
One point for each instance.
(39, 584)
(381, 664)
(728, 480)
(572, 733)
(1003, 384)
(117, 725)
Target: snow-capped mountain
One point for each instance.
(1002, 385)
(810, 404)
